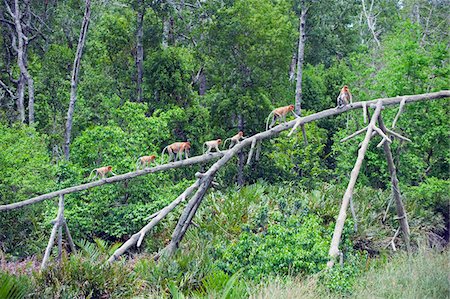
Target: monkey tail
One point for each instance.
(225, 143)
(137, 163)
(91, 173)
(162, 154)
(267, 120)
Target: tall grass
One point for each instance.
(425, 274)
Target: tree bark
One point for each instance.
(300, 60)
(240, 174)
(20, 97)
(58, 222)
(140, 49)
(21, 48)
(401, 212)
(74, 79)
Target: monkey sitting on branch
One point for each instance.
(102, 172)
(344, 97)
(176, 150)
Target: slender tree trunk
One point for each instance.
(401, 212)
(166, 29)
(74, 79)
(300, 60)
(292, 67)
(240, 174)
(202, 83)
(140, 50)
(22, 42)
(339, 227)
(20, 97)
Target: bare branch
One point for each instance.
(400, 110)
(139, 236)
(58, 223)
(334, 247)
(365, 112)
(354, 134)
(398, 135)
(250, 154)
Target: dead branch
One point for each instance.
(354, 134)
(114, 179)
(58, 222)
(364, 112)
(401, 213)
(250, 154)
(400, 110)
(139, 236)
(206, 179)
(334, 248)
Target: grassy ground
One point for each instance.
(423, 275)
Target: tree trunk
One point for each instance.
(202, 83)
(22, 42)
(240, 174)
(339, 227)
(139, 50)
(165, 35)
(20, 97)
(74, 79)
(401, 212)
(300, 60)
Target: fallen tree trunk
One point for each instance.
(114, 179)
(293, 124)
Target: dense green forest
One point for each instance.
(86, 84)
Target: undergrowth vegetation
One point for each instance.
(262, 239)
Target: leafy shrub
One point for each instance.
(87, 274)
(295, 245)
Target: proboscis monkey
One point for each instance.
(344, 98)
(279, 113)
(235, 139)
(176, 150)
(144, 161)
(212, 144)
(102, 172)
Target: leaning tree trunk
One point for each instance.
(74, 79)
(300, 59)
(140, 50)
(339, 227)
(401, 211)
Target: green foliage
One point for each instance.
(12, 287)
(296, 246)
(22, 176)
(169, 71)
(87, 274)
